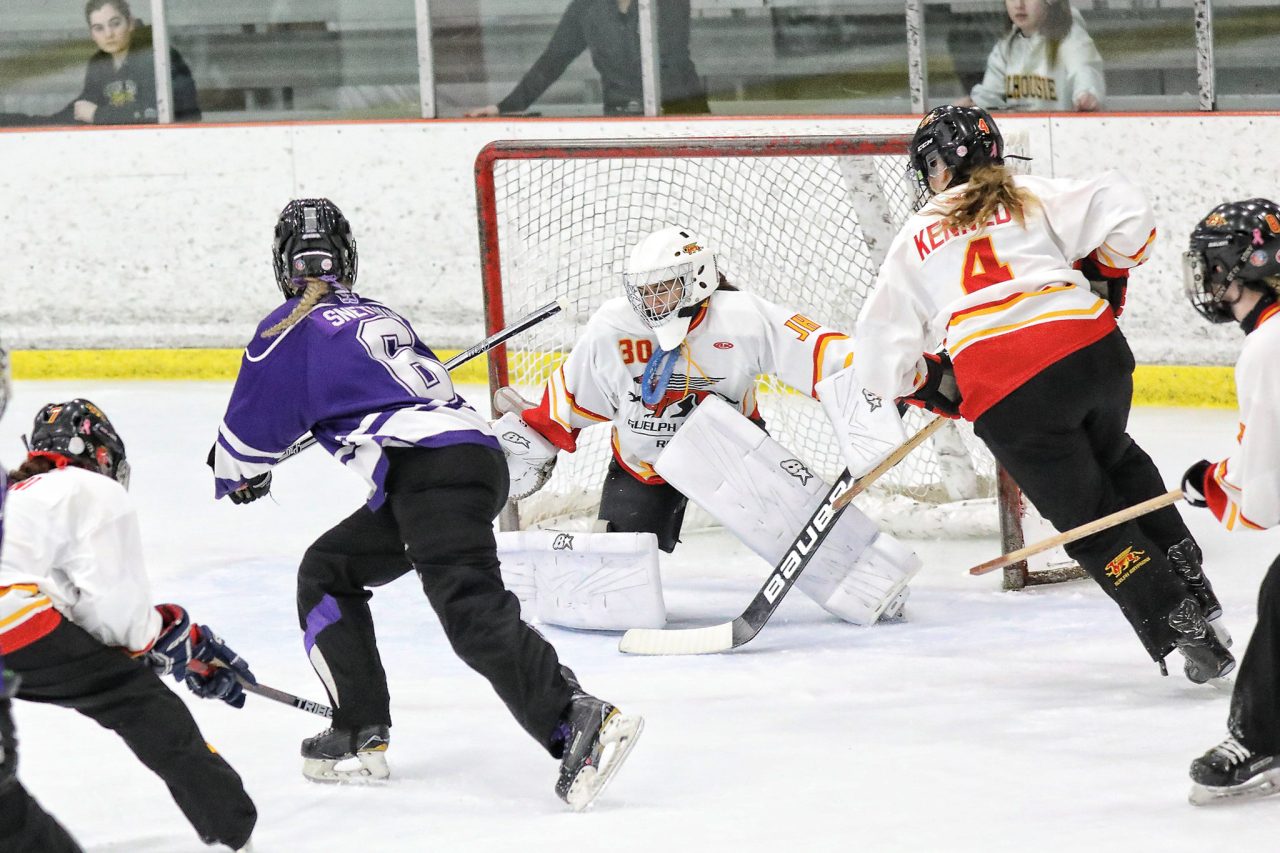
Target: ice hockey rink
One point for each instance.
(989, 721)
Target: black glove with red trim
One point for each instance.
(1111, 284)
(939, 393)
(1193, 487)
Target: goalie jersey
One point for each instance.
(1003, 299)
(354, 374)
(1243, 491)
(733, 338)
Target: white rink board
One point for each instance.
(160, 236)
(988, 723)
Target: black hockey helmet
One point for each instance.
(78, 429)
(1237, 241)
(313, 240)
(956, 138)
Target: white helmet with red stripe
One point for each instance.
(668, 275)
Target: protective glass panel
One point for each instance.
(299, 59)
(1245, 36)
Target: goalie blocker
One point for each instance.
(763, 493)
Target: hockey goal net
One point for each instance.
(800, 221)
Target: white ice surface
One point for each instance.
(990, 721)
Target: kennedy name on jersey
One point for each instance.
(938, 234)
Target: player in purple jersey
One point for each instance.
(353, 373)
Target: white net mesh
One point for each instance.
(806, 232)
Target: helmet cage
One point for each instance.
(313, 240)
(657, 295)
(80, 430)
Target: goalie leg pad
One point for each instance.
(763, 493)
(589, 581)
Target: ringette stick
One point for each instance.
(201, 668)
(1118, 517)
(528, 321)
(731, 635)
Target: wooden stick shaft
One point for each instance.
(891, 460)
(1118, 517)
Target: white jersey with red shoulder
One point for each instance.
(1243, 490)
(1002, 298)
(734, 337)
(72, 549)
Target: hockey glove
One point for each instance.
(170, 652)
(215, 670)
(1111, 284)
(1193, 487)
(939, 393)
(253, 489)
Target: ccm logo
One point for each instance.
(723, 345)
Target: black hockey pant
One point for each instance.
(437, 520)
(27, 828)
(631, 506)
(70, 668)
(1255, 701)
(1061, 435)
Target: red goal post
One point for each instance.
(802, 221)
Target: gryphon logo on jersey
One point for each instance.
(563, 542)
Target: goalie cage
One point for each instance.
(800, 221)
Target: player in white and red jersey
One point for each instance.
(78, 628)
(987, 271)
(1233, 274)
(645, 361)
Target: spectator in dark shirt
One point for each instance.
(120, 81)
(610, 31)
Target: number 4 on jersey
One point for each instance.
(981, 266)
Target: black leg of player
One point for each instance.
(631, 506)
(1046, 434)
(1247, 763)
(69, 668)
(444, 501)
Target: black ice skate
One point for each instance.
(1187, 561)
(597, 739)
(367, 745)
(1207, 658)
(1231, 771)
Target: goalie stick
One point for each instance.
(730, 635)
(528, 321)
(1087, 529)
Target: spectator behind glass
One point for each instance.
(610, 31)
(1046, 62)
(120, 80)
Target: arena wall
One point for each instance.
(158, 238)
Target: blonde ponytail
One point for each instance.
(315, 291)
(989, 188)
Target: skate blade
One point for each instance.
(372, 769)
(1265, 785)
(618, 738)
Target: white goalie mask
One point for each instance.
(667, 275)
